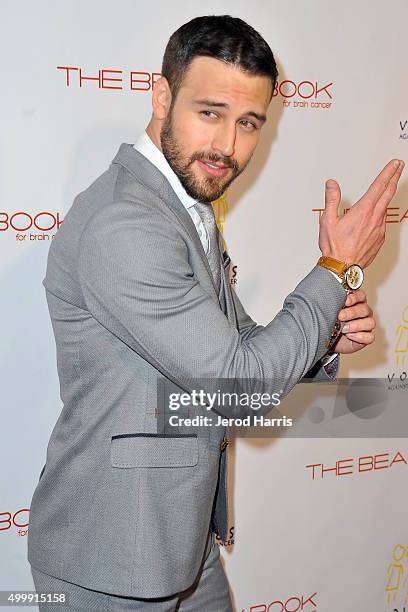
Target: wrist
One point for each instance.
(350, 274)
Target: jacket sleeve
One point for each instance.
(246, 325)
(248, 329)
(137, 282)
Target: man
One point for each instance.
(124, 516)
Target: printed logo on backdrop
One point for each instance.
(313, 95)
(394, 214)
(14, 522)
(220, 207)
(229, 541)
(357, 466)
(404, 129)
(396, 589)
(294, 603)
(300, 94)
(30, 226)
(398, 378)
(233, 278)
(77, 77)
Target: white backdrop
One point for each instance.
(333, 543)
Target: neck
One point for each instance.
(153, 131)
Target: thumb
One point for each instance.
(332, 197)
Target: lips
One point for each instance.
(213, 168)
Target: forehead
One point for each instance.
(207, 77)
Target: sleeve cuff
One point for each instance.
(335, 275)
(330, 363)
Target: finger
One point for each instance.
(390, 191)
(355, 312)
(356, 296)
(380, 183)
(384, 224)
(358, 325)
(332, 197)
(362, 337)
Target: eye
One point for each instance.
(208, 113)
(248, 125)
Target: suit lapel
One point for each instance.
(151, 177)
(170, 198)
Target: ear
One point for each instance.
(161, 98)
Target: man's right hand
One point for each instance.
(357, 236)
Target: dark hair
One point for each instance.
(222, 37)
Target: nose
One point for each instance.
(224, 139)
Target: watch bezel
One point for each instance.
(349, 269)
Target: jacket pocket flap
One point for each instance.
(154, 450)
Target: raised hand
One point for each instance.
(357, 236)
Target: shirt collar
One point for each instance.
(146, 147)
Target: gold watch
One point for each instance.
(351, 275)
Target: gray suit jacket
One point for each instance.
(119, 508)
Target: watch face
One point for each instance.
(354, 276)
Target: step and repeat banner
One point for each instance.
(316, 523)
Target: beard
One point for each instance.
(202, 189)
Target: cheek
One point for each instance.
(191, 136)
(245, 148)
(193, 133)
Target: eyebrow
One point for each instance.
(214, 103)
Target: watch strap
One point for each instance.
(336, 266)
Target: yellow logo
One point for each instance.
(397, 574)
(401, 344)
(220, 207)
